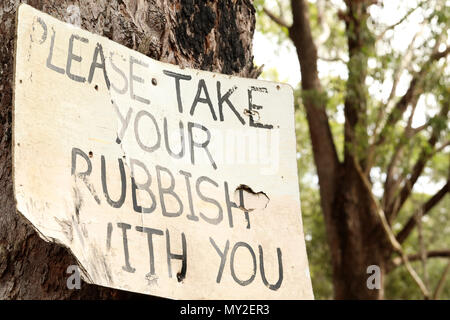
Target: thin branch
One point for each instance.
(332, 59)
(440, 285)
(393, 241)
(442, 146)
(422, 247)
(440, 54)
(407, 57)
(397, 261)
(323, 37)
(275, 18)
(391, 182)
(381, 35)
(414, 90)
(426, 207)
(398, 71)
(424, 156)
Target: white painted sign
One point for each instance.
(172, 182)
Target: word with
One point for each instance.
(183, 256)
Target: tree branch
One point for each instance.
(442, 146)
(422, 247)
(418, 167)
(324, 150)
(276, 19)
(413, 92)
(333, 59)
(397, 261)
(426, 207)
(391, 183)
(359, 43)
(381, 35)
(390, 235)
(440, 285)
(320, 4)
(398, 71)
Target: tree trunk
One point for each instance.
(208, 35)
(354, 231)
(358, 239)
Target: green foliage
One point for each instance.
(436, 228)
(377, 61)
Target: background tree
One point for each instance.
(208, 35)
(367, 153)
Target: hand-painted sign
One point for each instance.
(166, 181)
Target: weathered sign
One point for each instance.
(166, 181)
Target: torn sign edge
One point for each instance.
(83, 271)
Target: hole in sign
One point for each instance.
(250, 200)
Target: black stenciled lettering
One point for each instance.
(94, 65)
(206, 99)
(83, 175)
(183, 257)
(123, 120)
(180, 154)
(252, 107)
(144, 147)
(71, 56)
(226, 98)
(127, 267)
(178, 77)
(150, 232)
(191, 215)
(109, 230)
(49, 63)
(233, 273)
(44, 29)
(78, 152)
(222, 255)
(277, 285)
(242, 205)
(123, 192)
(133, 78)
(141, 186)
(169, 191)
(122, 74)
(219, 217)
(231, 204)
(202, 145)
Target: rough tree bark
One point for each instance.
(209, 35)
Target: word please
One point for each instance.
(131, 82)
